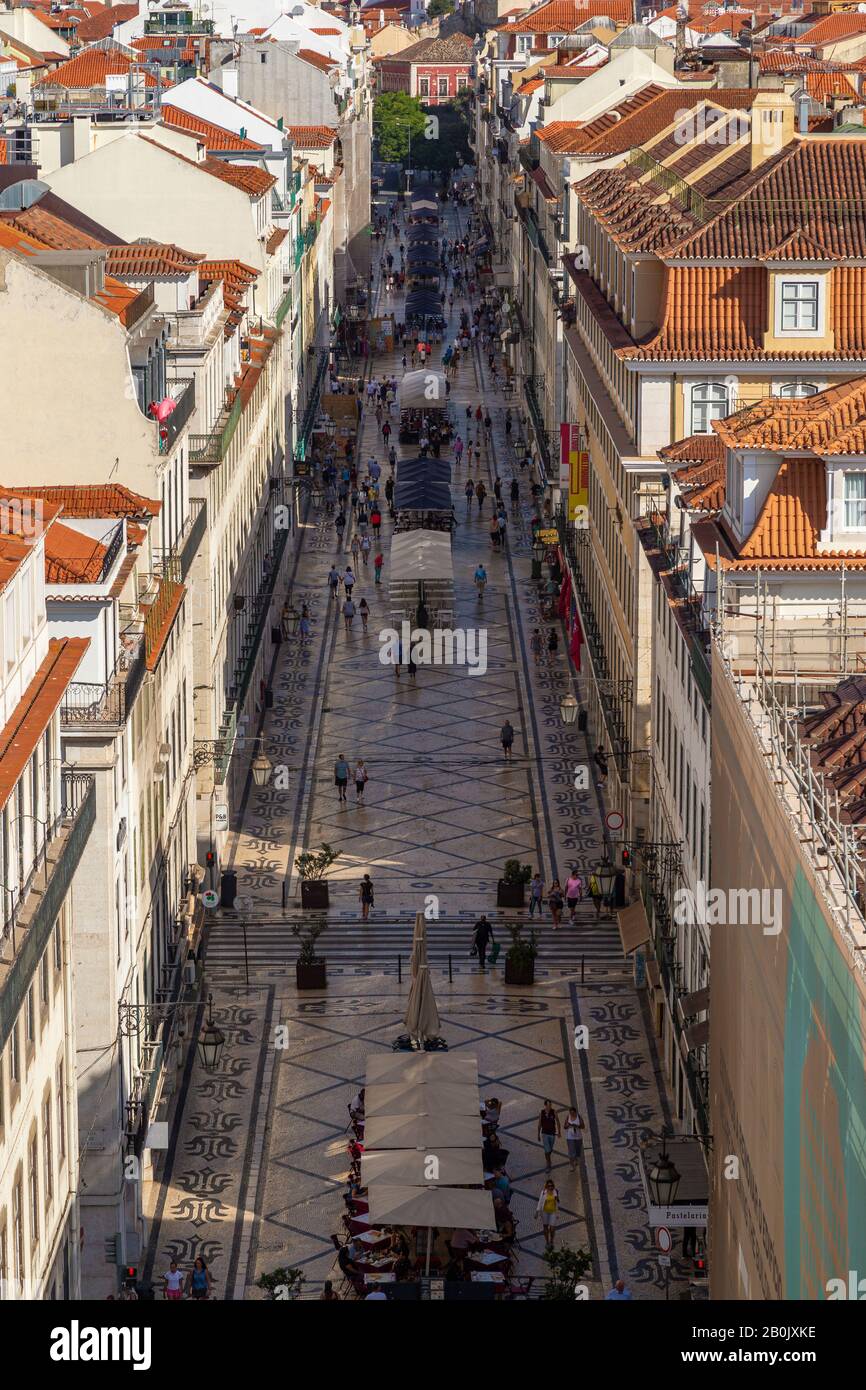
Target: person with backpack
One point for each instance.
(333, 580)
(572, 1130)
(365, 896)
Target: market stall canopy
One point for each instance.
(422, 251)
(445, 1207)
(420, 235)
(422, 495)
(421, 1098)
(423, 301)
(422, 555)
(436, 470)
(424, 205)
(423, 389)
(410, 1168)
(421, 1066)
(422, 1131)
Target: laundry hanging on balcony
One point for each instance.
(160, 410)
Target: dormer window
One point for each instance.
(709, 402)
(855, 501)
(799, 306)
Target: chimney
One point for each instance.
(80, 137)
(772, 125)
(803, 115)
(229, 81)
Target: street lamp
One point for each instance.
(568, 708)
(663, 1180)
(538, 549)
(291, 620)
(605, 873)
(211, 1042)
(261, 766)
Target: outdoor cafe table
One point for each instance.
(373, 1239)
(383, 1277)
(487, 1277)
(486, 1259)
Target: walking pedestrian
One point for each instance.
(172, 1283)
(198, 1281)
(377, 567)
(356, 550)
(362, 777)
(595, 894)
(536, 894)
(547, 1207)
(348, 614)
(480, 493)
(341, 777)
(365, 549)
(552, 642)
(470, 493)
(535, 642)
(502, 522)
(340, 526)
(365, 896)
(549, 1130)
(376, 521)
(573, 1136)
(573, 892)
(494, 533)
(482, 935)
(515, 494)
(555, 901)
(333, 580)
(348, 581)
(599, 757)
(506, 738)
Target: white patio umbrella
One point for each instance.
(449, 1207)
(412, 1168)
(422, 1066)
(421, 1098)
(422, 1015)
(428, 1132)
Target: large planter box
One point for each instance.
(510, 894)
(522, 973)
(314, 893)
(314, 976)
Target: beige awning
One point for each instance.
(412, 1168)
(633, 926)
(428, 1132)
(698, 1035)
(447, 1207)
(691, 1004)
(422, 1066)
(421, 1098)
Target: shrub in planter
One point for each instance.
(312, 866)
(511, 889)
(520, 957)
(310, 968)
(282, 1284)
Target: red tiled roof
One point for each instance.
(100, 25)
(181, 46)
(91, 500)
(213, 136)
(49, 229)
(455, 49)
(72, 557)
(565, 16)
(823, 85)
(833, 27)
(22, 732)
(784, 60)
(247, 177)
(90, 69)
(311, 137)
(828, 423)
(316, 60)
(151, 259)
(636, 120)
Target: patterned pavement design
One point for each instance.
(255, 1175)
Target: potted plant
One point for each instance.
(520, 956)
(312, 866)
(310, 969)
(511, 890)
(282, 1284)
(567, 1269)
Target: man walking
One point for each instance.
(348, 614)
(341, 777)
(481, 938)
(536, 894)
(333, 580)
(549, 1131)
(506, 738)
(365, 895)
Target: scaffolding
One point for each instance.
(780, 666)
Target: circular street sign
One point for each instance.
(210, 898)
(614, 820)
(664, 1240)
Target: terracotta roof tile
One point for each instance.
(833, 27)
(247, 177)
(214, 136)
(828, 423)
(311, 137)
(823, 85)
(565, 16)
(87, 500)
(101, 24)
(25, 727)
(90, 69)
(316, 60)
(151, 259)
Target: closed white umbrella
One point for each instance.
(422, 1015)
(419, 944)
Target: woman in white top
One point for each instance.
(361, 777)
(573, 1138)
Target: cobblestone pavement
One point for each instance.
(254, 1179)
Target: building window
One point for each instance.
(709, 402)
(58, 947)
(61, 1111)
(18, 1233)
(30, 1017)
(43, 979)
(800, 306)
(47, 1153)
(793, 390)
(14, 1056)
(33, 1186)
(423, 86)
(855, 501)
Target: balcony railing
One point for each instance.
(284, 308)
(213, 447)
(38, 909)
(95, 703)
(534, 389)
(191, 539)
(312, 408)
(183, 391)
(166, 596)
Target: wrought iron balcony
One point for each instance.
(534, 392)
(183, 392)
(100, 704)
